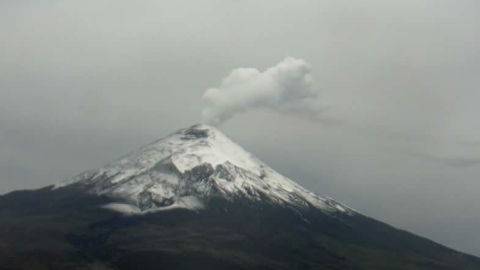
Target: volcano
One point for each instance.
(197, 200)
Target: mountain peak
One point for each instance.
(192, 166)
(199, 131)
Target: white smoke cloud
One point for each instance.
(285, 87)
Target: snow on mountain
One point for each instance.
(189, 167)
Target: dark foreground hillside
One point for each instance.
(65, 229)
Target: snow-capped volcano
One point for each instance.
(192, 166)
(244, 216)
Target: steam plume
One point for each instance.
(285, 87)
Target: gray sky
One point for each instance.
(83, 82)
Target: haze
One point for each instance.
(83, 82)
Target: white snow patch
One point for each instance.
(123, 208)
(188, 202)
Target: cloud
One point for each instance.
(454, 157)
(285, 87)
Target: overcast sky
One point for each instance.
(85, 81)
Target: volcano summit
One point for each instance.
(189, 167)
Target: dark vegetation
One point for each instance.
(66, 229)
